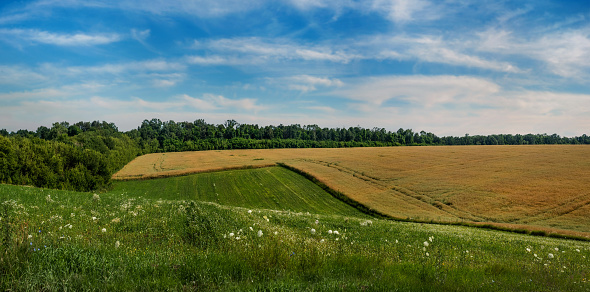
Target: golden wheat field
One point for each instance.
(541, 187)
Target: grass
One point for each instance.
(269, 188)
(154, 239)
(537, 187)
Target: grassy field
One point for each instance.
(533, 187)
(153, 239)
(273, 188)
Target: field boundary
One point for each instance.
(189, 172)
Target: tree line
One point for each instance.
(83, 156)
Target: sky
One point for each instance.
(450, 67)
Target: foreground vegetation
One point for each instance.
(141, 240)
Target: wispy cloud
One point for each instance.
(305, 83)
(565, 53)
(44, 37)
(270, 50)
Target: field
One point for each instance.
(147, 237)
(543, 188)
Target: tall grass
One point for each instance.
(161, 244)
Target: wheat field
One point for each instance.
(540, 187)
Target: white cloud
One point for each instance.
(305, 83)
(263, 50)
(433, 49)
(419, 90)
(401, 11)
(565, 53)
(44, 37)
(450, 105)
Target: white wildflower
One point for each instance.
(231, 234)
(577, 250)
(430, 238)
(93, 218)
(95, 197)
(312, 231)
(104, 230)
(427, 254)
(249, 211)
(396, 241)
(426, 244)
(117, 244)
(329, 231)
(30, 236)
(259, 233)
(557, 249)
(550, 256)
(528, 249)
(322, 240)
(276, 233)
(251, 229)
(336, 232)
(317, 222)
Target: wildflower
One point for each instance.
(276, 233)
(322, 240)
(426, 244)
(396, 241)
(117, 244)
(528, 249)
(231, 234)
(93, 218)
(430, 238)
(104, 230)
(317, 222)
(427, 254)
(259, 233)
(535, 255)
(577, 250)
(95, 197)
(557, 249)
(336, 232)
(329, 231)
(312, 231)
(550, 255)
(251, 229)
(265, 218)
(249, 211)
(30, 236)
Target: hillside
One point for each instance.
(539, 187)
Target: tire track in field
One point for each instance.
(403, 192)
(556, 211)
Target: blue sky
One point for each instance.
(447, 67)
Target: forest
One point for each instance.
(83, 156)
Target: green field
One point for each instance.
(273, 188)
(286, 234)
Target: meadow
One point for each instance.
(150, 237)
(540, 188)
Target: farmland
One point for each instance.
(536, 187)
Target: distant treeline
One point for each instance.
(83, 156)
